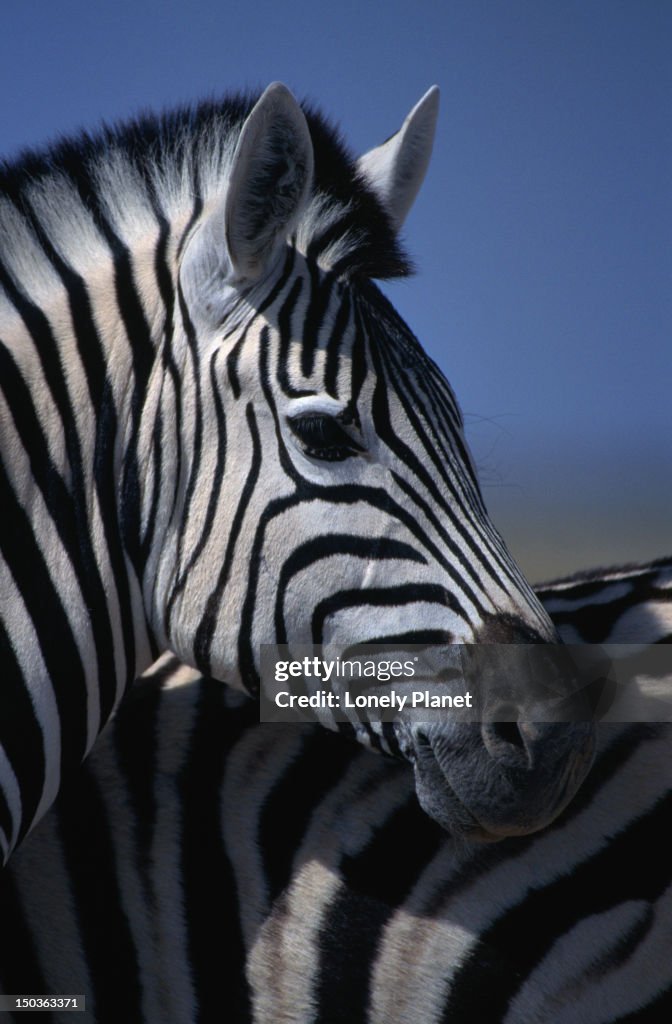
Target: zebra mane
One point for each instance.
(123, 179)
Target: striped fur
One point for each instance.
(217, 432)
(208, 867)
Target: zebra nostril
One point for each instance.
(509, 733)
(505, 739)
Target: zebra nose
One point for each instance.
(515, 764)
(490, 780)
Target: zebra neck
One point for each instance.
(78, 341)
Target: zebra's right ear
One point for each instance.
(396, 169)
(269, 181)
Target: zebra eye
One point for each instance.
(322, 437)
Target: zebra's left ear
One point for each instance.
(396, 170)
(269, 181)
(271, 175)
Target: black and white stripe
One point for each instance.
(204, 866)
(217, 432)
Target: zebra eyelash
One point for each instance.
(322, 437)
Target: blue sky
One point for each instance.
(543, 235)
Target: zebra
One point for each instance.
(217, 432)
(206, 866)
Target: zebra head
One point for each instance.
(322, 488)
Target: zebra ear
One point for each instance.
(395, 170)
(269, 181)
(271, 175)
